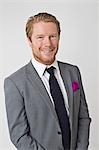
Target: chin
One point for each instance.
(49, 62)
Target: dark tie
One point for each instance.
(60, 108)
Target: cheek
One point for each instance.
(36, 45)
(55, 43)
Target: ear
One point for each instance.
(29, 42)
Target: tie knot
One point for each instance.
(50, 70)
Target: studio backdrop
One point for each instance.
(78, 46)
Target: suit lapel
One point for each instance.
(37, 83)
(68, 85)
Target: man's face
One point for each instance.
(44, 42)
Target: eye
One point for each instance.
(53, 36)
(40, 37)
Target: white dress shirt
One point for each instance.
(44, 75)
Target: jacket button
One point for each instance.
(59, 133)
(60, 149)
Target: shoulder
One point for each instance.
(70, 70)
(68, 66)
(19, 74)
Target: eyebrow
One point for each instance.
(48, 35)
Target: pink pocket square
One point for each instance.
(75, 86)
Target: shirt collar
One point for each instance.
(40, 68)
(54, 64)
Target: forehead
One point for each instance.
(44, 27)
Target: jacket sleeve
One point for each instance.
(83, 119)
(17, 118)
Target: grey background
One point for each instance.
(78, 45)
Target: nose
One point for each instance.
(47, 41)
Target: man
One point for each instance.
(45, 101)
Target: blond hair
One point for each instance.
(45, 17)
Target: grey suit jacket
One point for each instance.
(32, 120)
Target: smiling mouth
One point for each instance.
(47, 51)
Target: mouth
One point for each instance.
(47, 52)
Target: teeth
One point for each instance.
(47, 51)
